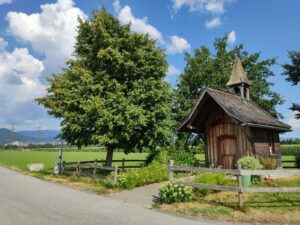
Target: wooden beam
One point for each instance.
(270, 172)
(211, 186)
(203, 169)
(270, 189)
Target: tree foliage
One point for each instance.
(292, 71)
(113, 92)
(213, 69)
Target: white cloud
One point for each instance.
(211, 6)
(139, 25)
(5, 2)
(215, 22)
(215, 6)
(173, 71)
(295, 126)
(293, 122)
(19, 75)
(231, 37)
(177, 45)
(117, 5)
(51, 32)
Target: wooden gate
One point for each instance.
(227, 151)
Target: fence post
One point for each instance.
(240, 183)
(95, 170)
(78, 169)
(115, 174)
(123, 164)
(62, 167)
(171, 173)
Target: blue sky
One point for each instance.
(37, 37)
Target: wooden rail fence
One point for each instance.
(238, 173)
(90, 168)
(295, 166)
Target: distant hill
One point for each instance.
(7, 136)
(41, 135)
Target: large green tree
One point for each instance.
(113, 92)
(213, 69)
(292, 71)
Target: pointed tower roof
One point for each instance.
(238, 74)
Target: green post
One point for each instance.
(246, 180)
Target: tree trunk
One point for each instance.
(109, 156)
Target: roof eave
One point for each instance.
(185, 122)
(283, 129)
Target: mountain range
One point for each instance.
(33, 136)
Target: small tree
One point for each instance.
(114, 91)
(292, 71)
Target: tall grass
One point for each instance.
(293, 149)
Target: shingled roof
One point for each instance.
(241, 110)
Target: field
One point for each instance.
(290, 149)
(19, 159)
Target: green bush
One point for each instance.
(120, 180)
(268, 163)
(153, 173)
(210, 178)
(175, 193)
(183, 158)
(159, 155)
(250, 163)
(297, 158)
(180, 157)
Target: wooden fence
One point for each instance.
(92, 168)
(238, 173)
(294, 166)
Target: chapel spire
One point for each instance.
(239, 82)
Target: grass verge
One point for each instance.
(260, 208)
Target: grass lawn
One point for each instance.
(19, 160)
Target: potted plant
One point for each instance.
(249, 163)
(268, 164)
(268, 180)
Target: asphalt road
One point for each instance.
(25, 200)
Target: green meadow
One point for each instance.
(19, 159)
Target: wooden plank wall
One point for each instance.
(219, 124)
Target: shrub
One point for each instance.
(210, 178)
(297, 158)
(120, 180)
(268, 163)
(183, 158)
(180, 157)
(153, 173)
(175, 193)
(159, 155)
(250, 163)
